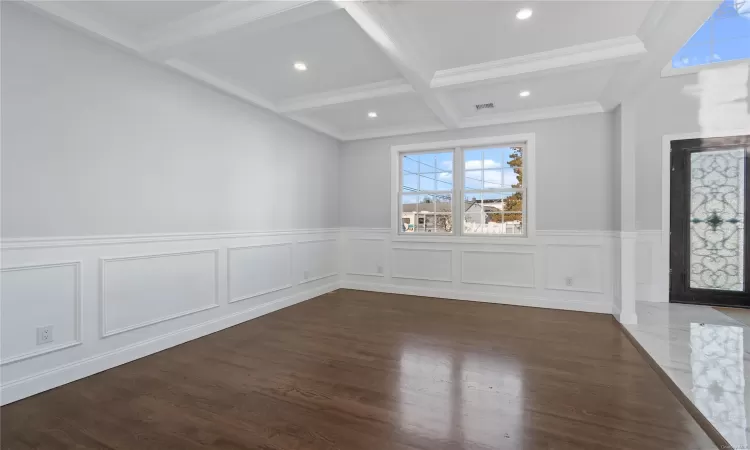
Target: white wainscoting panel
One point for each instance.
(258, 270)
(498, 268)
(652, 278)
(137, 291)
(125, 297)
(318, 259)
(575, 267)
(422, 264)
(503, 271)
(36, 296)
(365, 257)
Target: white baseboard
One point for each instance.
(537, 302)
(58, 376)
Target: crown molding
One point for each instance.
(222, 85)
(264, 15)
(575, 109)
(627, 48)
(62, 14)
(352, 94)
(316, 126)
(394, 131)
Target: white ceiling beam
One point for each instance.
(576, 109)
(407, 63)
(248, 96)
(220, 84)
(261, 15)
(665, 30)
(575, 57)
(352, 94)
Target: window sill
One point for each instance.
(453, 239)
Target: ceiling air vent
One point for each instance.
(484, 106)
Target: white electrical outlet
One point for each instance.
(44, 335)
(380, 268)
(306, 274)
(569, 281)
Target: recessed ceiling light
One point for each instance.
(524, 93)
(300, 66)
(524, 13)
(372, 114)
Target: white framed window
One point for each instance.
(465, 189)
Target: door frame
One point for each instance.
(680, 233)
(666, 204)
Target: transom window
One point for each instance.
(725, 36)
(464, 190)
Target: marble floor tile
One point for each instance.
(705, 352)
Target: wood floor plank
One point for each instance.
(355, 370)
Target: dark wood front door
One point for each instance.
(708, 237)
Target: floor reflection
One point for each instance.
(717, 362)
(460, 398)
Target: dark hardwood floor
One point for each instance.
(357, 370)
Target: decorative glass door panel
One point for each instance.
(708, 236)
(717, 219)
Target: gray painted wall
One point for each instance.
(574, 168)
(713, 100)
(99, 142)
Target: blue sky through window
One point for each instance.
(725, 36)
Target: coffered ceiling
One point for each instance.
(419, 65)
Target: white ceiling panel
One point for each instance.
(394, 112)
(338, 55)
(420, 64)
(460, 33)
(547, 91)
(133, 18)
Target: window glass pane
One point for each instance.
(445, 162)
(494, 157)
(473, 159)
(428, 182)
(494, 213)
(473, 217)
(732, 49)
(509, 224)
(512, 205)
(515, 157)
(409, 164)
(445, 181)
(427, 171)
(433, 215)
(409, 208)
(510, 177)
(426, 204)
(731, 27)
(493, 179)
(723, 37)
(473, 179)
(493, 168)
(410, 182)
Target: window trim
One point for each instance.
(458, 146)
(669, 71)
